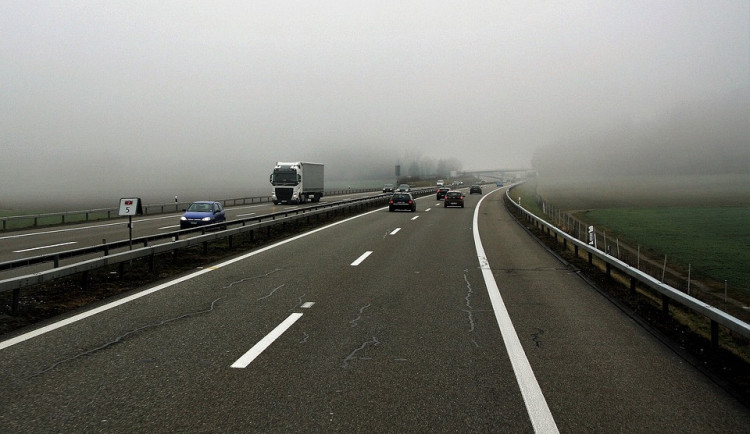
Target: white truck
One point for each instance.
(297, 182)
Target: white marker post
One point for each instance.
(130, 207)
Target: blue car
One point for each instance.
(202, 213)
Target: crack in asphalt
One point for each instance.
(536, 337)
(305, 338)
(271, 293)
(469, 309)
(374, 342)
(125, 335)
(353, 323)
(252, 278)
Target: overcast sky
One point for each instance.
(126, 96)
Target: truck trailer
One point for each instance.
(297, 182)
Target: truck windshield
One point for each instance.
(284, 177)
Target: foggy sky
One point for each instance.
(123, 98)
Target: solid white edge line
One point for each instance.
(361, 258)
(92, 312)
(45, 247)
(536, 405)
(38, 332)
(264, 343)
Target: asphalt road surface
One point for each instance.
(443, 320)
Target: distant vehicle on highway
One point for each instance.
(499, 183)
(475, 189)
(441, 192)
(202, 213)
(297, 182)
(440, 183)
(454, 198)
(402, 201)
(404, 188)
(388, 188)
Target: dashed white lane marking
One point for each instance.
(536, 404)
(361, 258)
(45, 247)
(415, 217)
(264, 343)
(395, 231)
(307, 305)
(60, 324)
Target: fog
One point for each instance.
(102, 100)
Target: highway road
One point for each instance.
(440, 320)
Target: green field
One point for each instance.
(714, 240)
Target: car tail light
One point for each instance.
(410, 202)
(391, 202)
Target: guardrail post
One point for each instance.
(714, 335)
(632, 285)
(609, 269)
(16, 301)
(56, 261)
(591, 258)
(106, 247)
(664, 304)
(85, 280)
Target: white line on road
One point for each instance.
(427, 210)
(395, 231)
(60, 324)
(361, 258)
(536, 405)
(45, 247)
(307, 305)
(264, 343)
(245, 215)
(415, 217)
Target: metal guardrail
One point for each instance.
(715, 315)
(239, 226)
(55, 218)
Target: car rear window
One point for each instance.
(401, 196)
(454, 194)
